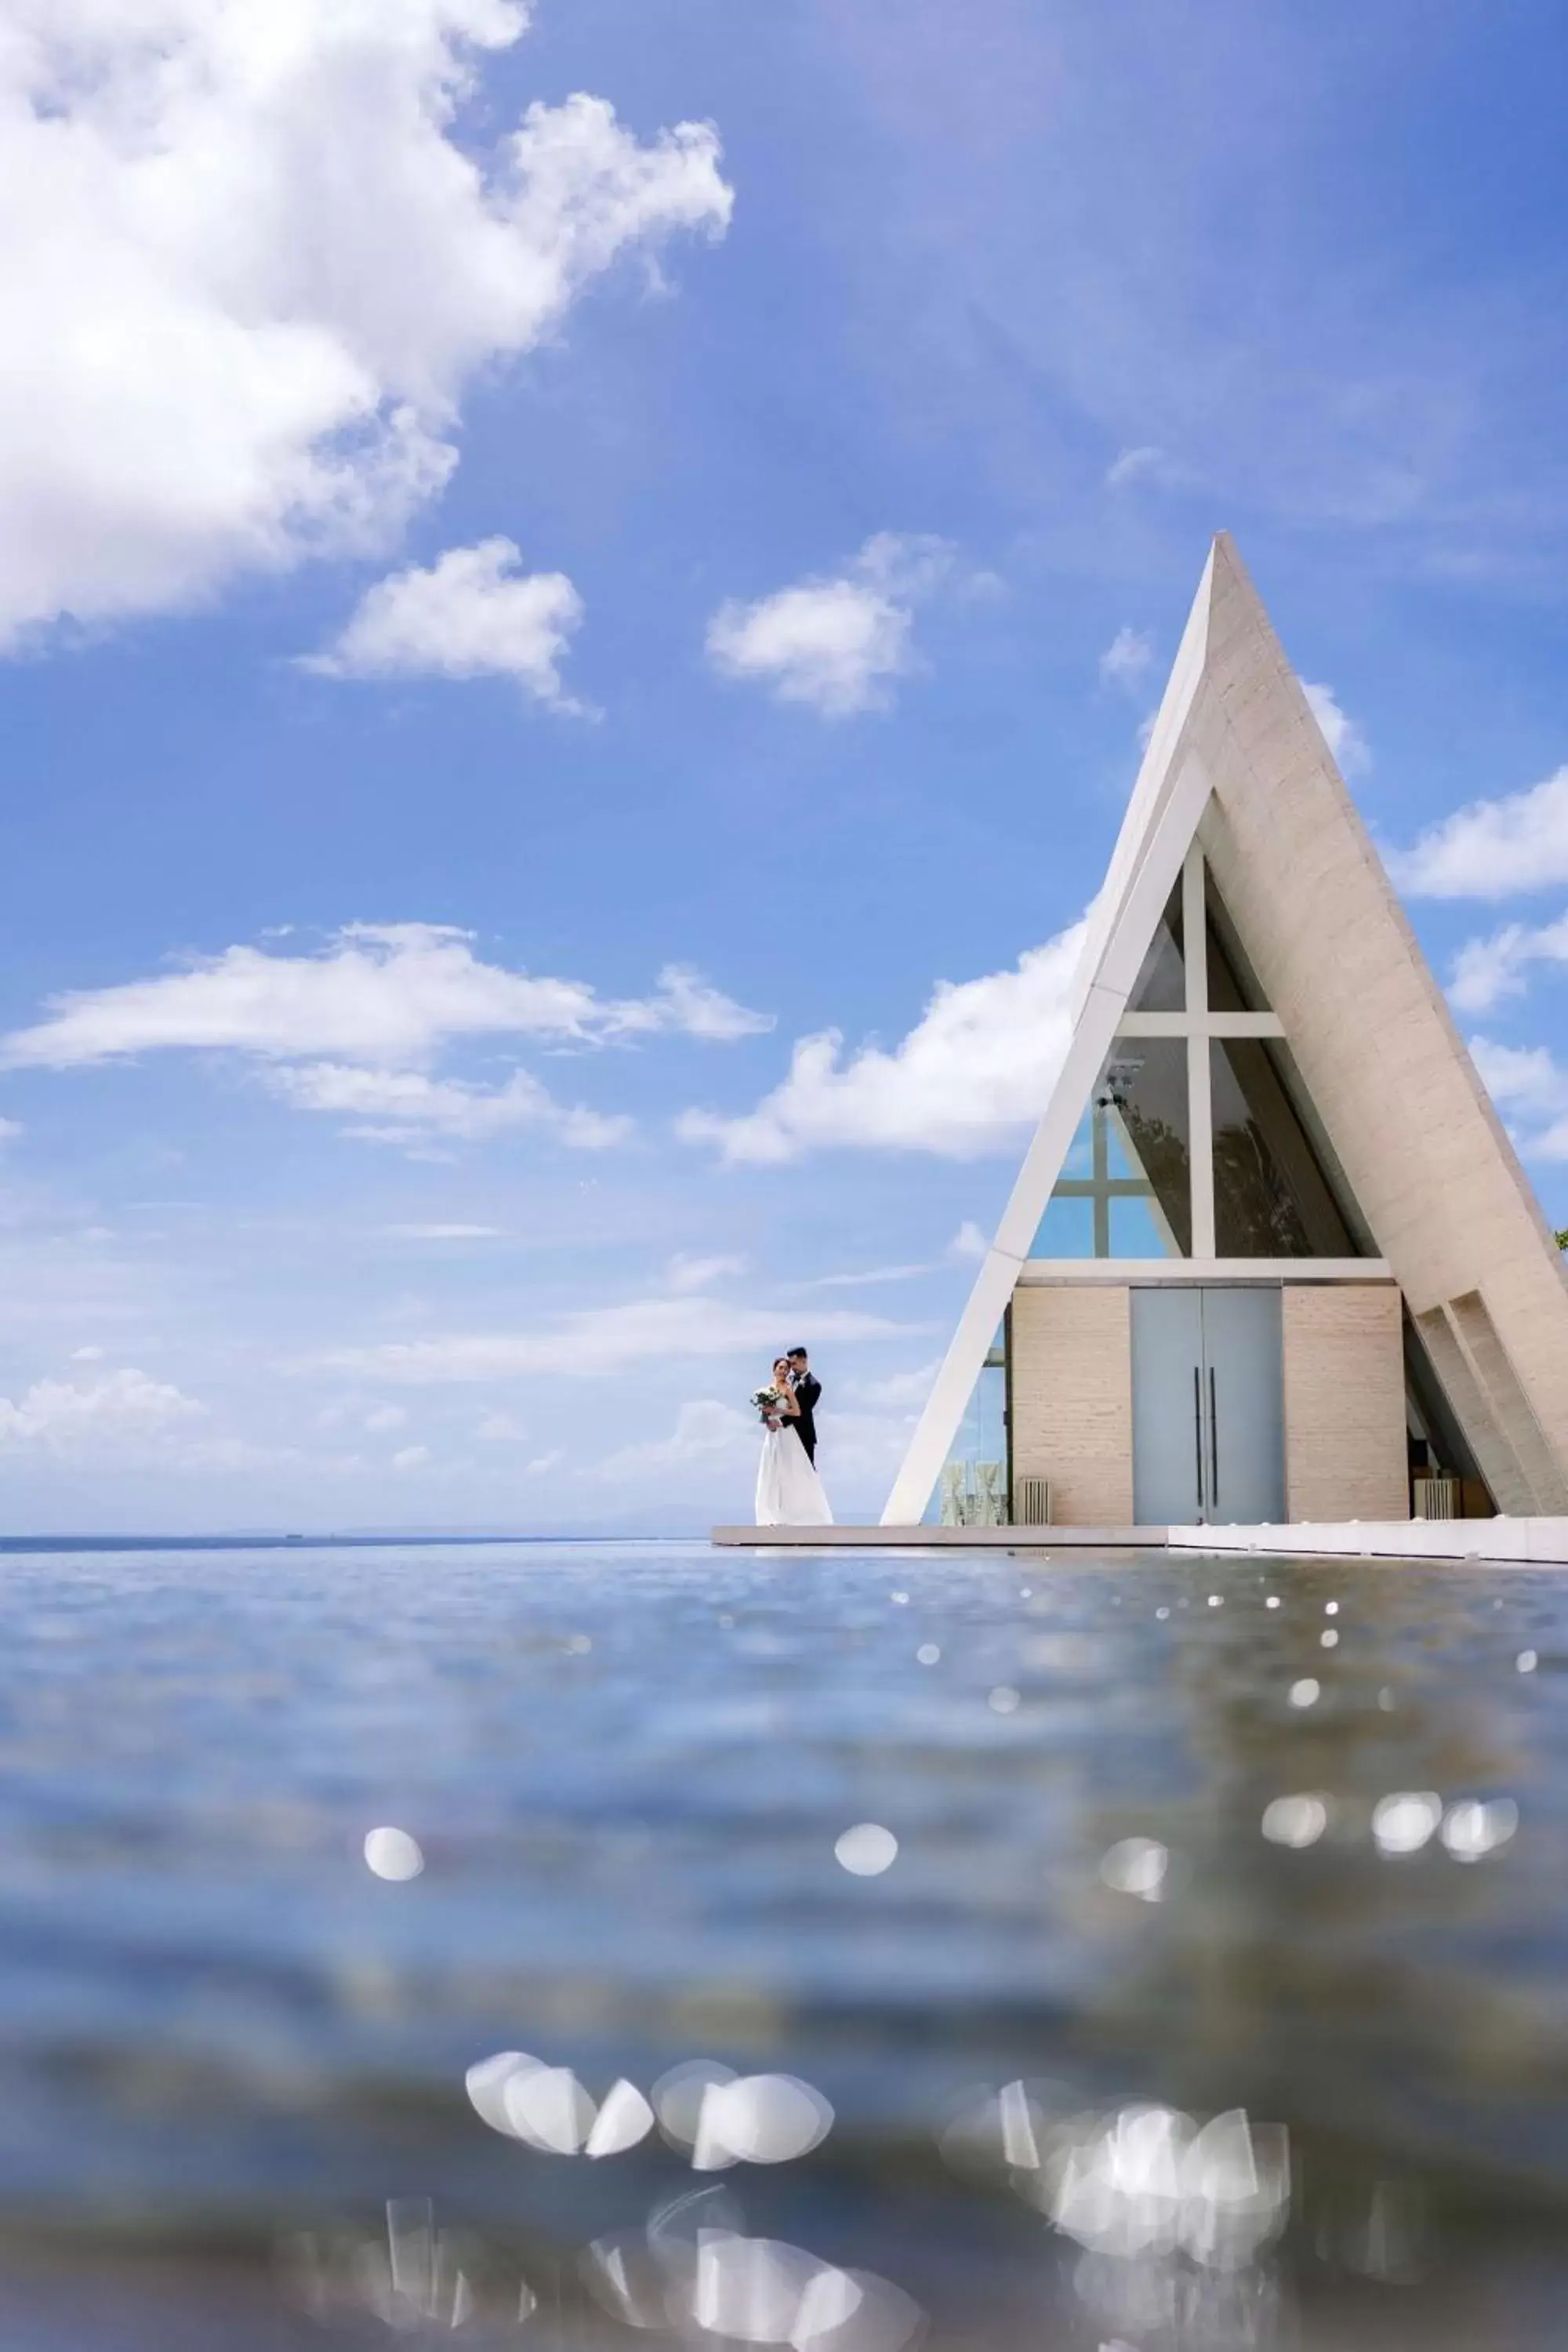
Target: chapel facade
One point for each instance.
(1271, 1255)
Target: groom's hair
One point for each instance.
(799, 1352)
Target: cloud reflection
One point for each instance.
(1132, 2182)
(701, 2108)
(1472, 1830)
(548, 2109)
(1137, 1865)
(695, 2269)
(1404, 1822)
(1295, 1820)
(414, 2278)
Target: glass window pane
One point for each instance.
(1079, 1162)
(1109, 1203)
(1144, 1092)
(1270, 1199)
(1225, 995)
(971, 1490)
(1066, 1229)
(1234, 986)
(1162, 984)
(1138, 1229)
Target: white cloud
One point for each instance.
(1126, 659)
(686, 1003)
(443, 1232)
(1340, 733)
(898, 1391)
(704, 1431)
(1486, 970)
(88, 1355)
(969, 1241)
(411, 1457)
(501, 1429)
(600, 1339)
(370, 1011)
(838, 642)
(123, 1408)
(699, 1273)
(375, 1419)
(250, 272)
(1491, 850)
(544, 1462)
(471, 615)
(401, 1106)
(1132, 465)
(1526, 1082)
(1521, 1077)
(971, 1078)
(379, 993)
(869, 1279)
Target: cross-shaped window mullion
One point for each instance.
(1200, 1091)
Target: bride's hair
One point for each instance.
(781, 1359)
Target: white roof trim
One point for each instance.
(1162, 821)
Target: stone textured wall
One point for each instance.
(1072, 1399)
(1414, 1129)
(1344, 1403)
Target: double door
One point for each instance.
(1208, 1408)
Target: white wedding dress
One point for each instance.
(789, 1492)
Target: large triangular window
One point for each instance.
(1198, 1140)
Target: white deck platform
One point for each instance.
(1543, 1542)
(923, 1539)
(1503, 1541)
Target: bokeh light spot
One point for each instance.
(392, 1853)
(1138, 1866)
(866, 1850)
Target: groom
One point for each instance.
(807, 1391)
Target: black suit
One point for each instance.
(806, 1393)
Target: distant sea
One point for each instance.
(1133, 1851)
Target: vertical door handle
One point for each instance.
(1213, 1444)
(1198, 1429)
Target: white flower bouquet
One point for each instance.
(767, 1402)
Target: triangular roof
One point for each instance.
(1237, 762)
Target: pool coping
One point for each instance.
(1504, 1542)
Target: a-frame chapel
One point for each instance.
(1270, 1256)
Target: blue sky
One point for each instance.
(518, 614)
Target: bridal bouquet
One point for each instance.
(767, 1402)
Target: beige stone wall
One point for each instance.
(1405, 1112)
(1072, 1399)
(1344, 1403)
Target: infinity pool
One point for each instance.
(1145, 1967)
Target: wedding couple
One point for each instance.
(789, 1492)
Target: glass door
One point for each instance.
(1243, 1402)
(1169, 1426)
(1208, 1418)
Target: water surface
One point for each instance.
(226, 2046)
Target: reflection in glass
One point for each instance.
(1270, 1197)
(1162, 983)
(1066, 1229)
(1124, 1189)
(1233, 986)
(1139, 1228)
(1143, 1094)
(971, 1490)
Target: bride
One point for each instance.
(789, 1492)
